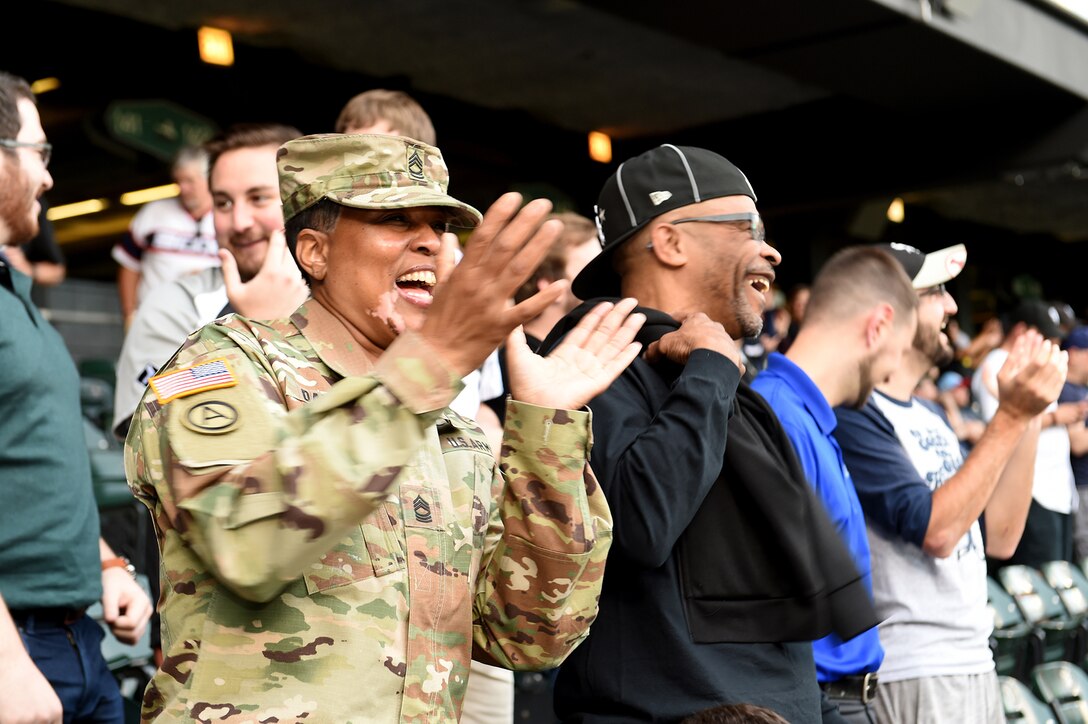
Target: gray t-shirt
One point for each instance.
(935, 620)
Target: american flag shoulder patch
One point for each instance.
(212, 375)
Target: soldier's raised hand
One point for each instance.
(1032, 376)
(471, 314)
(591, 356)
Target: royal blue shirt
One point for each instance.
(809, 421)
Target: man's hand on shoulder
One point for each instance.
(275, 292)
(1032, 376)
(697, 331)
(590, 357)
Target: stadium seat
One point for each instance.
(1064, 686)
(1016, 644)
(1072, 588)
(102, 369)
(1042, 607)
(1071, 585)
(1021, 706)
(96, 400)
(107, 469)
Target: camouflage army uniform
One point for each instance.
(335, 543)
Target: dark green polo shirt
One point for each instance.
(48, 518)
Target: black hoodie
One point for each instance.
(724, 563)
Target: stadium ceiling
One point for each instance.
(976, 108)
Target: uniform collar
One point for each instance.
(331, 340)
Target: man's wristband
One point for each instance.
(120, 562)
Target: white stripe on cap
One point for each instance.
(752, 190)
(691, 177)
(623, 194)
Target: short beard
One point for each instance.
(749, 320)
(936, 347)
(750, 327)
(18, 223)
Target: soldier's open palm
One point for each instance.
(590, 357)
(471, 314)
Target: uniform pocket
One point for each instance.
(371, 550)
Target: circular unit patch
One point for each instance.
(211, 418)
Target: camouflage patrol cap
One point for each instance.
(366, 171)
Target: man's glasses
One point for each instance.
(755, 223)
(937, 291)
(45, 149)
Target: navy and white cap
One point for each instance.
(1076, 339)
(644, 187)
(929, 270)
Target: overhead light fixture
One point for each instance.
(216, 46)
(600, 147)
(896, 212)
(44, 85)
(79, 208)
(135, 198)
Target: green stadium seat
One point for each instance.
(1064, 686)
(1021, 706)
(1071, 585)
(107, 469)
(1017, 645)
(1042, 607)
(102, 369)
(96, 401)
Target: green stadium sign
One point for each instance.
(157, 127)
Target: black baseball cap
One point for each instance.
(929, 270)
(1040, 315)
(644, 187)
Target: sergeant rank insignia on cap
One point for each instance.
(191, 380)
(415, 164)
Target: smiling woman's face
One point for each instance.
(381, 269)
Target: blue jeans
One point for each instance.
(70, 658)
